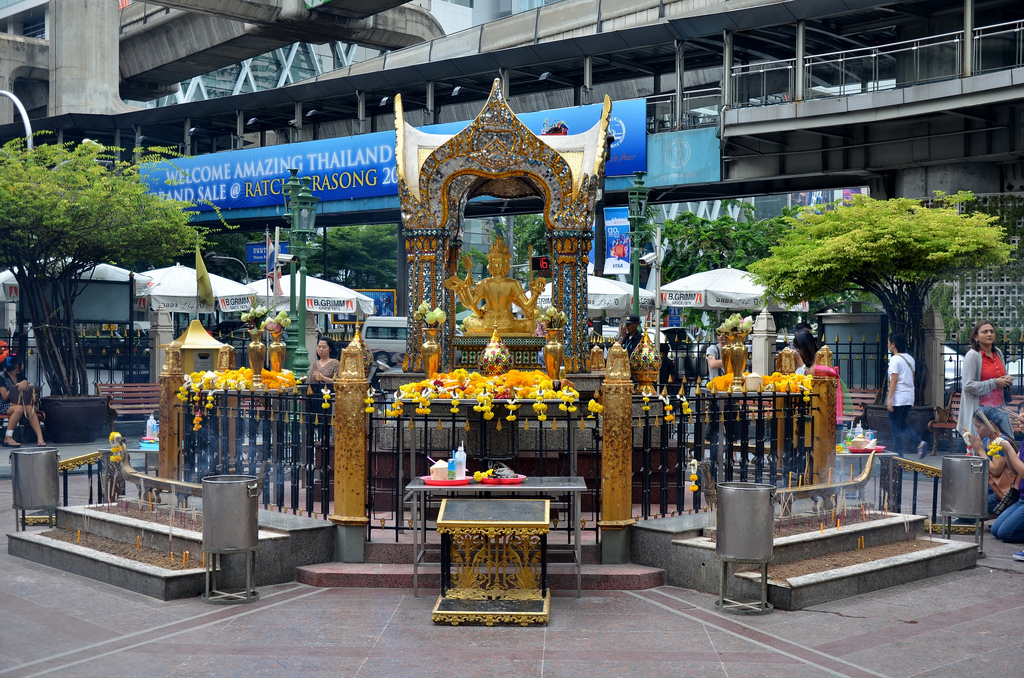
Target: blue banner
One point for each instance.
(616, 241)
(627, 125)
(363, 166)
(339, 169)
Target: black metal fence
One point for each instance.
(744, 437)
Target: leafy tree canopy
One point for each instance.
(363, 257)
(63, 210)
(896, 250)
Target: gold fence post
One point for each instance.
(616, 458)
(350, 458)
(171, 379)
(824, 396)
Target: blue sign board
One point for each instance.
(616, 241)
(362, 166)
(256, 252)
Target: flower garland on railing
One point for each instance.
(512, 386)
(198, 384)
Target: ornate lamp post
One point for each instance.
(637, 216)
(302, 214)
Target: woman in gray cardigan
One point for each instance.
(983, 356)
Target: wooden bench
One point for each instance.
(130, 399)
(943, 426)
(858, 398)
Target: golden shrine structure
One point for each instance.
(497, 155)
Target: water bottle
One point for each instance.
(460, 463)
(859, 431)
(849, 432)
(151, 427)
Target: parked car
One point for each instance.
(385, 337)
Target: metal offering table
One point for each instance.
(546, 486)
(498, 550)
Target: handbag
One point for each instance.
(1011, 497)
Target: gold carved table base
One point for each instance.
(493, 562)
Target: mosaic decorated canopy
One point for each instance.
(497, 156)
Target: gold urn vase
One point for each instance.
(430, 352)
(496, 358)
(276, 351)
(645, 365)
(734, 355)
(257, 352)
(554, 352)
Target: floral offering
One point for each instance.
(737, 324)
(513, 386)
(255, 316)
(198, 387)
(553, 318)
(276, 323)
(431, 318)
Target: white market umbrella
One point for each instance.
(724, 289)
(176, 288)
(8, 286)
(322, 296)
(102, 272)
(608, 296)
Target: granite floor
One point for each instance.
(56, 623)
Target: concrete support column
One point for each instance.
(678, 112)
(350, 463)
(171, 379)
(431, 111)
(922, 182)
(763, 343)
(588, 80)
(361, 111)
(967, 68)
(506, 82)
(239, 140)
(934, 334)
(801, 53)
(617, 458)
(823, 451)
(84, 57)
(726, 68)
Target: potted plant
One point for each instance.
(64, 209)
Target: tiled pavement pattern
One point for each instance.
(55, 623)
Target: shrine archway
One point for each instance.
(496, 155)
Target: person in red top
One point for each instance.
(984, 378)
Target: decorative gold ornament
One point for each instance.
(734, 355)
(276, 351)
(357, 341)
(554, 353)
(496, 358)
(644, 365)
(257, 352)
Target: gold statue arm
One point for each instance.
(464, 288)
(529, 305)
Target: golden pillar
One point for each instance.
(350, 456)
(823, 387)
(617, 458)
(171, 379)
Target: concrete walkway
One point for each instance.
(55, 623)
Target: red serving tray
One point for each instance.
(445, 482)
(504, 481)
(867, 450)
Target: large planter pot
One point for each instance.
(74, 419)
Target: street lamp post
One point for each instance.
(637, 216)
(225, 257)
(302, 214)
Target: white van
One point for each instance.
(385, 337)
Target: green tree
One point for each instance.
(63, 210)
(896, 250)
(700, 244)
(362, 257)
(697, 244)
